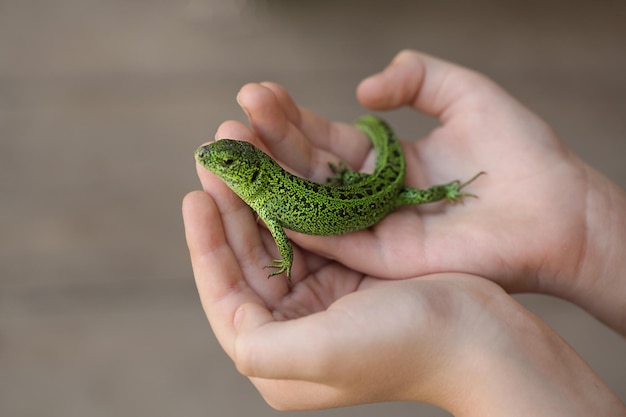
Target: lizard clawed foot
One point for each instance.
(453, 189)
(281, 266)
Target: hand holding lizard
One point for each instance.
(374, 339)
(545, 221)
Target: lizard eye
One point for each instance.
(228, 161)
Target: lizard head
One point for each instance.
(236, 162)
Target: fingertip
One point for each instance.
(365, 91)
(247, 95)
(256, 99)
(193, 202)
(190, 201)
(263, 105)
(233, 129)
(369, 91)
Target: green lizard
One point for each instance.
(352, 202)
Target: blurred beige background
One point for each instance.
(101, 106)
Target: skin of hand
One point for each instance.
(364, 329)
(544, 222)
(453, 340)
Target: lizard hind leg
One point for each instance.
(452, 192)
(344, 175)
(453, 189)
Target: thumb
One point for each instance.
(429, 85)
(298, 349)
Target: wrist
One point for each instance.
(599, 285)
(525, 368)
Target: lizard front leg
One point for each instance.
(284, 249)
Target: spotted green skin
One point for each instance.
(351, 201)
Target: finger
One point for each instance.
(300, 139)
(339, 139)
(271, 121)
(430, 85)
(219, 279)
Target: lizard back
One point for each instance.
(322, 209)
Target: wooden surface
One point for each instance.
(101, 106)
